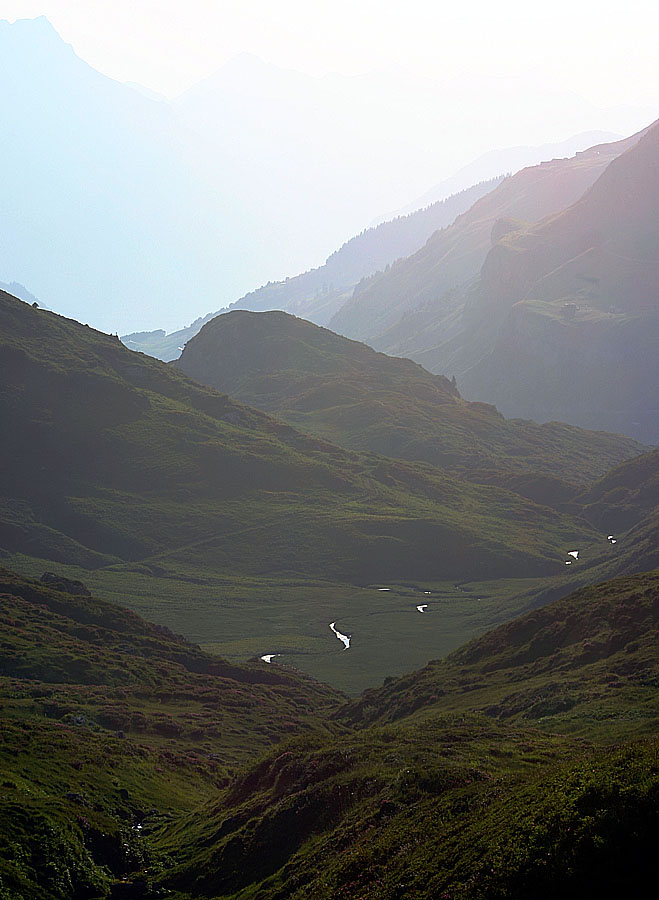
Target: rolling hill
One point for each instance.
(345, 392)
(115, 456)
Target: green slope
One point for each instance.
(114, 456)
(504, 771)
(586, 664)
(112, 726)
(345, 392)
(497, 773)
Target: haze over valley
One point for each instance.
(336, 576)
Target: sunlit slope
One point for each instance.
(345, 392)
(456, 254)
(565, 320)
(115, 456)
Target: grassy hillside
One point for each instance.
(113, 456)
(585, 664)
(132, 763)
(482, 776)
(112, 727)
(345, 392)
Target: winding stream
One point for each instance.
(341, 637)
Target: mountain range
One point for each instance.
(289, 617)
(192, 191)
(319, 293)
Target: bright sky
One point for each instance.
(604, 50)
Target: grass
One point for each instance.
(242, 618)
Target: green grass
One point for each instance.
(242, 618)
(347, 393)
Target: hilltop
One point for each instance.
(345, 392)
(116, 456)
(318, 293)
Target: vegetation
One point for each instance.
(111, 726)
(347, 393)
(132, 763)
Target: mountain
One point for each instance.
(127, 727)
(318, 293)
(104, 188)
(116, 456)
(345, 392)
(408, 309)
(571, 305)
(510, 160)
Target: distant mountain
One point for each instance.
(507, 161)
(18, 290)
(345, 392)
(158, 211)
(104, 189)
(565, 320)
(401, 311)
(318, 293)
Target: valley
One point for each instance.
(350, 589)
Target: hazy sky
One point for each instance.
(603, 50)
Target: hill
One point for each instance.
(492, 774)
(115, 456)
(318, 293)
(112, 726)
(505, 770)
(345, 392)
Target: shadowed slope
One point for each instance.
(111, 727)
(346, 392)
(112, 455)
(591, 361)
